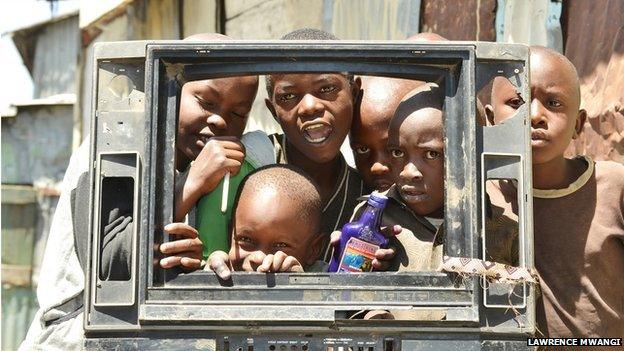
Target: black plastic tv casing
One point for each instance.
(135, 96)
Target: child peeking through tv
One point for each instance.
(275, 226)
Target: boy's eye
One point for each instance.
(554, 103)
(361, 150)
(432, 155)
(397, 153)
(281, 245)
(328, 89)
(515, 102)
(244, 239)
(286, 97)
(205, 105)
(238, 115)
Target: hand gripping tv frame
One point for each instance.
(135, 96)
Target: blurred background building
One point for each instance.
(40, 132)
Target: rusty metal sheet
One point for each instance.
(460, 20)
(594, 42)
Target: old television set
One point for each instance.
(135, 97)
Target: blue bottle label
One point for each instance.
(358, 256)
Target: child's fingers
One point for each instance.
(380, 265)
(266, 264)
(192, 245)
(181, 229)
(225, 138)
(190, 263)
(392, 230)
(235, 155)
(278, 259)
(170, 262)
(233, 166)
(291, 265)
(184, 259)
(218, 263)
(385, 254)
(334, 238)
(253, 260)
(229, 142)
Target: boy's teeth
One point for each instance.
(317, 133)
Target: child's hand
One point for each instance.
(383, 257)
(279, 262)
(219, 262)
(185, 251)
(220, 156)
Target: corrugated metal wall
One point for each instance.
(56, 54)
(36, 147)
(594, 42)
(36, 144)
(372, 19)
(19, 218)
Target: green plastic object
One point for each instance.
(211, 223)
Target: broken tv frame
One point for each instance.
(135, 96)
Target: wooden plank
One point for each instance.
(18, 194)
(16, 275)
(19, 219)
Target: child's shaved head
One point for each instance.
(289, 182)
(427, 95)
(278, 208)
(427, 36)
(566, 72)
(207, 37)
(309, 34)
(555, 101)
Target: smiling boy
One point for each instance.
(213, 115)
(315, 112)
(578, 207)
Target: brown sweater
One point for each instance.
(579, 252)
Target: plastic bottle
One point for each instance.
(360, 239)
(211, 223)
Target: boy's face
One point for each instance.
(555, 115)
(416, 145)
(370, 151)
(314, 111)
(269, 222)
(369, 131)
(213, 107)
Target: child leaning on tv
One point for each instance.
(275, 226)
(578, 207)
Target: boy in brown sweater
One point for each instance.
(578, 207)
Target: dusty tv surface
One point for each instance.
(136, 91)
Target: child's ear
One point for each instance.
(489, 114)
(315, 249)
(271, 108)
(580, 122)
